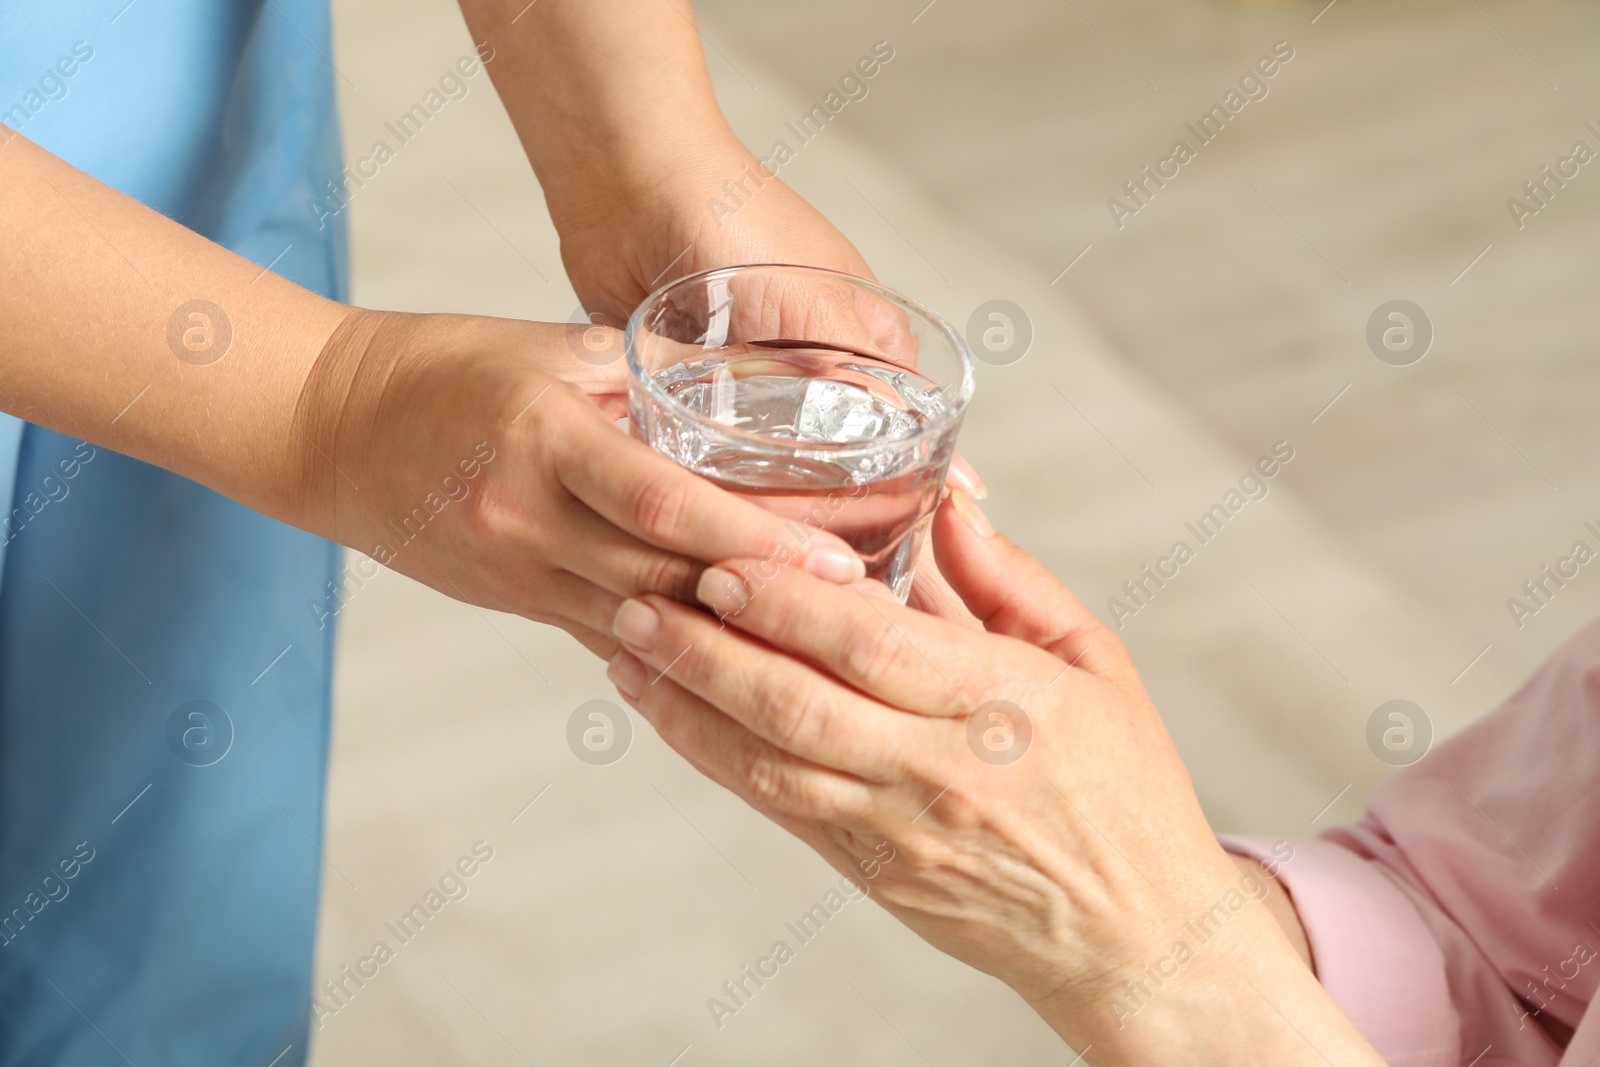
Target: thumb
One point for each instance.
(1011, 593)
(591, 358)
(932, 595)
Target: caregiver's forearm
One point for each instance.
(103, 336)
(605, 94)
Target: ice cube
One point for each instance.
(766, 403)
(807, 407)
(839, 412)
(916, 391)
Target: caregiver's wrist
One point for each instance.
(310, 491)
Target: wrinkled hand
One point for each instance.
(1045, 829)
(482, 457)
(836, 757)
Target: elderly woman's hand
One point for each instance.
(1044, 828)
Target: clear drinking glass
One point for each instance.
(825, 398)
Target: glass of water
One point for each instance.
(825, 398)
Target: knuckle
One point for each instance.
(1096, 634)
(795, 716)
(923, 851)
(1101, 644)
(763, 774)
(659, 507)
(877, 654)
(543, 416)
(779, 613)
(670, 575)
(487, 520)
(963, 808)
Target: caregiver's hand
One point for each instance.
(615, 108)
(647, 218)
(1068, 865)
(645, 180)
(452, 448)
(480, 456)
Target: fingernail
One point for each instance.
(970, 513)
(722, 591)
(627, 674)
(637, 625)
(873, 588)
(834, 564)
(964, 476)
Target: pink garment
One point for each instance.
(1459, 922)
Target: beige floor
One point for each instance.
(1224, 317)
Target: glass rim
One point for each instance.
(952, 416)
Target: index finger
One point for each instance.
(901, 656)
(663, 504)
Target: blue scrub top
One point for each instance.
(164, 679)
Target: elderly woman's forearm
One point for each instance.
(1243, 997)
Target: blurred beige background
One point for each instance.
(1228, 314)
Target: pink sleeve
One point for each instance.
(1374, 954)
(1457, 920)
